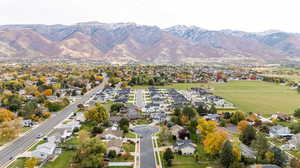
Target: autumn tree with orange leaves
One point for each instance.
(242, 125)
(213, 142)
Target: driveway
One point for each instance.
(146, 152)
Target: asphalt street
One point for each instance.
(23, 143)
(146, 152)
(140, 98)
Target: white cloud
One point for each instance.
(250, 15)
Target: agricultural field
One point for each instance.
(257, 96)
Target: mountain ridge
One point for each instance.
(131, 42)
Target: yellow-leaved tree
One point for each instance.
(10, 129)
(6, 115)
(213, 142)
(31, 162)
(205, 127)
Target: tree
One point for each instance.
(83, 136)
(31, 162)
(116, 107)
(165, 135)
(168, 156)
(248, 135)
(10, 129)
(280, 157)
(6, 115)
(295, 163)
(124, 124)
(237, 117)
(213, 142)
(297, 113)
(97, 130)
(31, 89)
(212, 110)
(190, 112)
(48, 92)
(114, 80)
(90, 153)
(260, 145)
(97, 113)
(112, 154)
(242, 125)
(13, 102)
(206, 127)
(183, 134)
(226, 155)
(201, 110)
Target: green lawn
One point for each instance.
(35, 146)
(122, 159)
(257, 96)
(129, 147)
(180, 161)
(19, 163)
(65, 158)
(62, 161)
(130, 135)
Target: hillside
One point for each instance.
(129, 42)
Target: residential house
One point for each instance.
(264, 166)
(280, 132)
(213, 117)
(111, 134)
(115, 145)
(44, 151)
(295, 141)
(185, 147)
(281, 116)
(133, 112)
(175, 129)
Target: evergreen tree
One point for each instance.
(226, 156)
(168, 156)
(248, 135)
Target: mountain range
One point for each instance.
(131, 43)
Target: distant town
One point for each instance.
(72, 115)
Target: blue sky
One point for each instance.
(250, 15)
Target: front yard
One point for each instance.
(129, 147)
(180, 161)
(129, 135)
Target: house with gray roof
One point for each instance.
(185, 147)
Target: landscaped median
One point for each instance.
(156, 151)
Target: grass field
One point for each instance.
(257, 96)
(250, 96)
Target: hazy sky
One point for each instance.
(250, 15)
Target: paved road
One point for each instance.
(146, 152)
(139, 96)
(23, 143)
